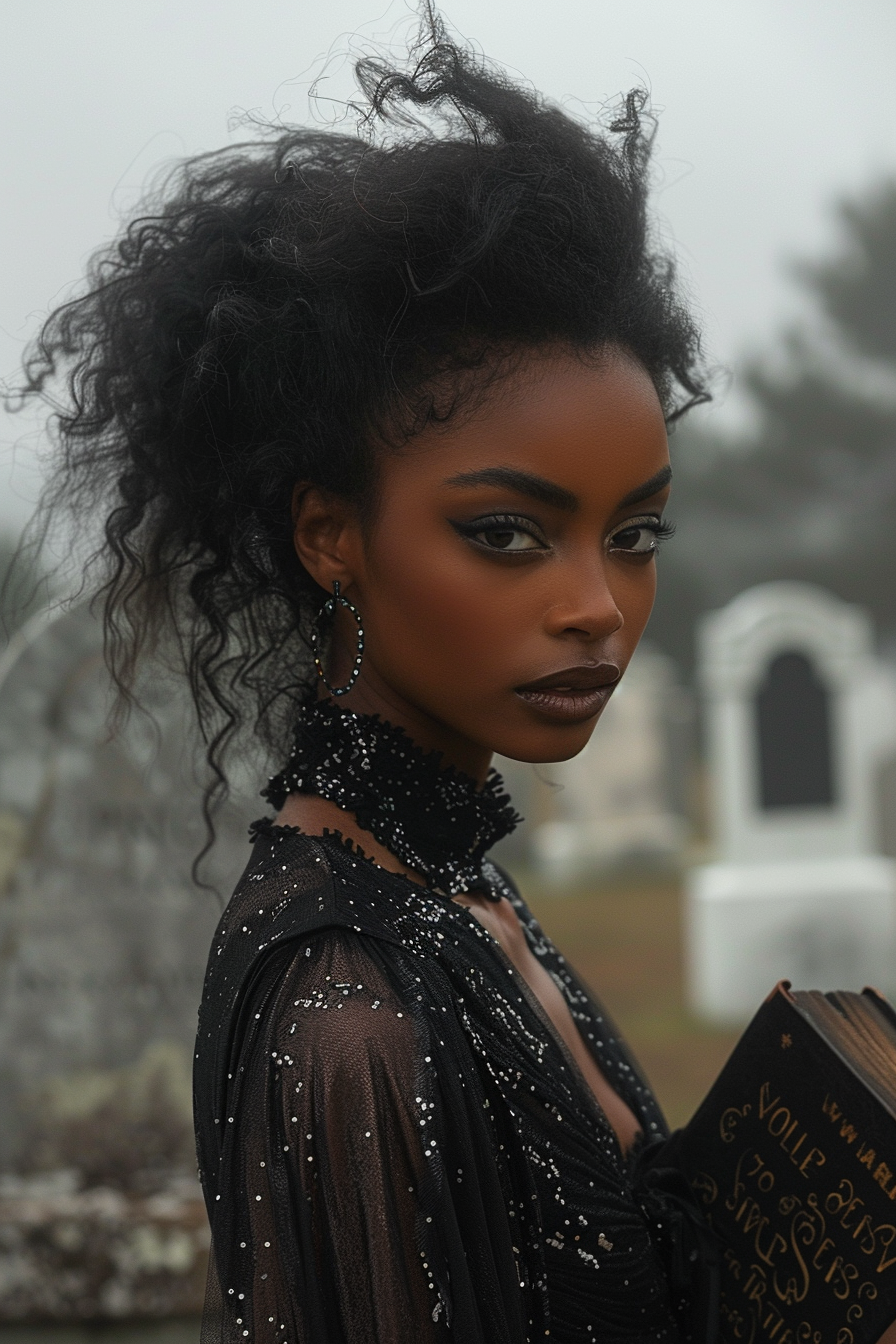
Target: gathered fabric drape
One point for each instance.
(394, 1143)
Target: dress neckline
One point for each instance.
(435, 819)
(624, 1157)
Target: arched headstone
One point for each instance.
(798, 890)
(103, 943)
(793, 734)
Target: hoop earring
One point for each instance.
(328, 610)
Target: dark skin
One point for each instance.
(511, 548)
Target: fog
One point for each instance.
(768, 114)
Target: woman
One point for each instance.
(378, 426)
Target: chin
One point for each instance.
(548, 746)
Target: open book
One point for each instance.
(793, 1156)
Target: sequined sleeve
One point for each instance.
(322, 1234)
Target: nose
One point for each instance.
(584, 606)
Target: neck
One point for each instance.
(371, 695)
(432, 818)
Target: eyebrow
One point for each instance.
(547, 492)
(522, 482)
(651, 487)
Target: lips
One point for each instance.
(573, 694)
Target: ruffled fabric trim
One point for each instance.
(434, 819)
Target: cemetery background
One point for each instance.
(103, 942)
(807, 494)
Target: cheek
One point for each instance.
(634, 591)
(440, 606)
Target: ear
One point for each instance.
(324, 532)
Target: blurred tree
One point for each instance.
(858, 288)
(811, 492)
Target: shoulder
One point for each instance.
(336, 1005)
(306, 900)
(288, 879)
(293, 885)
(319, 1012)
(288, 894)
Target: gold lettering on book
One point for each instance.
(867, 1289)
(705, 1187)
(728, 1122)
(883, 1175)
(786, 1259)
(848, 1132)
(791, 1135)
(764, 1317)
(798, 1248)
(881, 1171)
(845, 1205)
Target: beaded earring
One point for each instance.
(329, 610)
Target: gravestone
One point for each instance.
(103, 943)
(798, 714)
(623, 799)
(793, 735)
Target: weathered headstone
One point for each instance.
(623, 799)
(103, 942)
(797, 720)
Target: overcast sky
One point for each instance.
(769, 111)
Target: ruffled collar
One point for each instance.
(435, 820)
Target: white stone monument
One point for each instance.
(799, 712)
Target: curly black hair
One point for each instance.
(287, 309)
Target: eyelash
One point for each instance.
(501, 522)
(506, 522)
(661, 529)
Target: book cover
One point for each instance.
(793, 1157)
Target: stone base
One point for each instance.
(820, 923)
(89, 1255)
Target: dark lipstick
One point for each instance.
(573, 694)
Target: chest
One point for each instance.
(501, 921)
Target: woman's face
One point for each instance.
(508, 572)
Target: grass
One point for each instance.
(624, 937)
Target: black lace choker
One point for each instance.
(434, 820)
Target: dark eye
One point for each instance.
(505, 533)
(509, 539)
(640, 536)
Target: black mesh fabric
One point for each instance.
(394, 1143)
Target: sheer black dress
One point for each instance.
(394, 1143)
